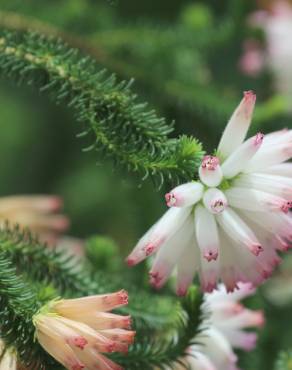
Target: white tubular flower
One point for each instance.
(222, 330)
(77, 332)
(229, 225)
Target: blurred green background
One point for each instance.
(185, 59)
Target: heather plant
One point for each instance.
(148, 90)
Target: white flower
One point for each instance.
(229, 225)
(77, 332)
(222, 330)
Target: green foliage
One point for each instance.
(25, 291)
(18, 303)
(185, 62)
(162, 353)
(47, 265)
(284, 361)
(102, 253)
(107, 108)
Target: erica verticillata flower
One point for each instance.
(40, 213)
(78, 332)
(229, 225)
(223, 330)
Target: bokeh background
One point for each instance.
(191, 60)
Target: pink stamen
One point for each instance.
(210, 162)
(211, 256)
(111, 347)
(130, 262)
(149, 249)
(209, 287)
(266, 274)
(249, 100)
(127, 322)
(123, 297)
(78, 367)
(155, 278)
(258, 139)
(256, 249)
(170, 199)
(80, 342)
(286, 206)
(249, 95)
(218, 205)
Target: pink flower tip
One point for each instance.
(111, 347)
(258, 139)
(208, 287)
(123, 297)
(127, 321)
(149, 249)
(266, 274)
(256, 249)
(56, 203)
(154, 278)
(62, 223)
(219, 205)
(80, 342)
(130, 261)
(285, 207)
(210, 162)
(211, 256)
(249, 96)
(260, 319)
(231, 287)
(170, 199)
(78, 367)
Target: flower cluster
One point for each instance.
(222, 330)
(76, 332)
(229, 225)
(37, 212)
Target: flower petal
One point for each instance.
(206, 233)
(256, 200)
(238, 160)
(210, 171)
(269, 156)
(233, 225)
(238, 125)
(185, 195)
(278, 185)
(162, 231)
(169, 254)
(102, 302)
(187, 267)
(214, 200)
